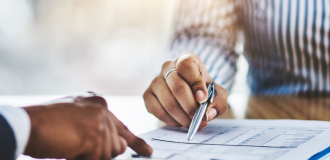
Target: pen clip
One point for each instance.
(213, 95)
(211, 91)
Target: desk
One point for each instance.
(278, 107)
(266, 107)
(131, 110)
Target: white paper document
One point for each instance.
(242, 139)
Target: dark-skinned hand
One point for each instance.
(82, 130)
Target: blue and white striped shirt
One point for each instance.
(286, 42)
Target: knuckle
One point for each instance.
(177, 87)
(94, 100)
(125, 127)
(197, 83)
(101, 111)
(155, 81)
(163, 117)
(167, 64)
(145, 94)
(95, 111)
(149, 109)
(170, 106)
(99, 114)
(100, 128)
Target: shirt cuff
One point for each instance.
(19, 121)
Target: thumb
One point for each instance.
(200, 93)
(189, 67)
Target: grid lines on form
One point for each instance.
(273, 137)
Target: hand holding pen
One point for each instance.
(196, 121)
(175, 95)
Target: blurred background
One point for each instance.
(110, 47)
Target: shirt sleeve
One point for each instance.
(209, 28)
(20, 124)
(7, 140)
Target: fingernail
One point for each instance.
(211, 114)
(200, 96)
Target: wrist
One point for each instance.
(35, 121)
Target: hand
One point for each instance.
(84, 129)
(175, 101)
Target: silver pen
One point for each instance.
(196, 121)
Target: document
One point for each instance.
(242, 139)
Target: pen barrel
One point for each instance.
(196, 121)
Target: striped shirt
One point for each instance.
(286, 42)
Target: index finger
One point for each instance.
(134, 142)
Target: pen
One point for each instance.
(196, 121)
